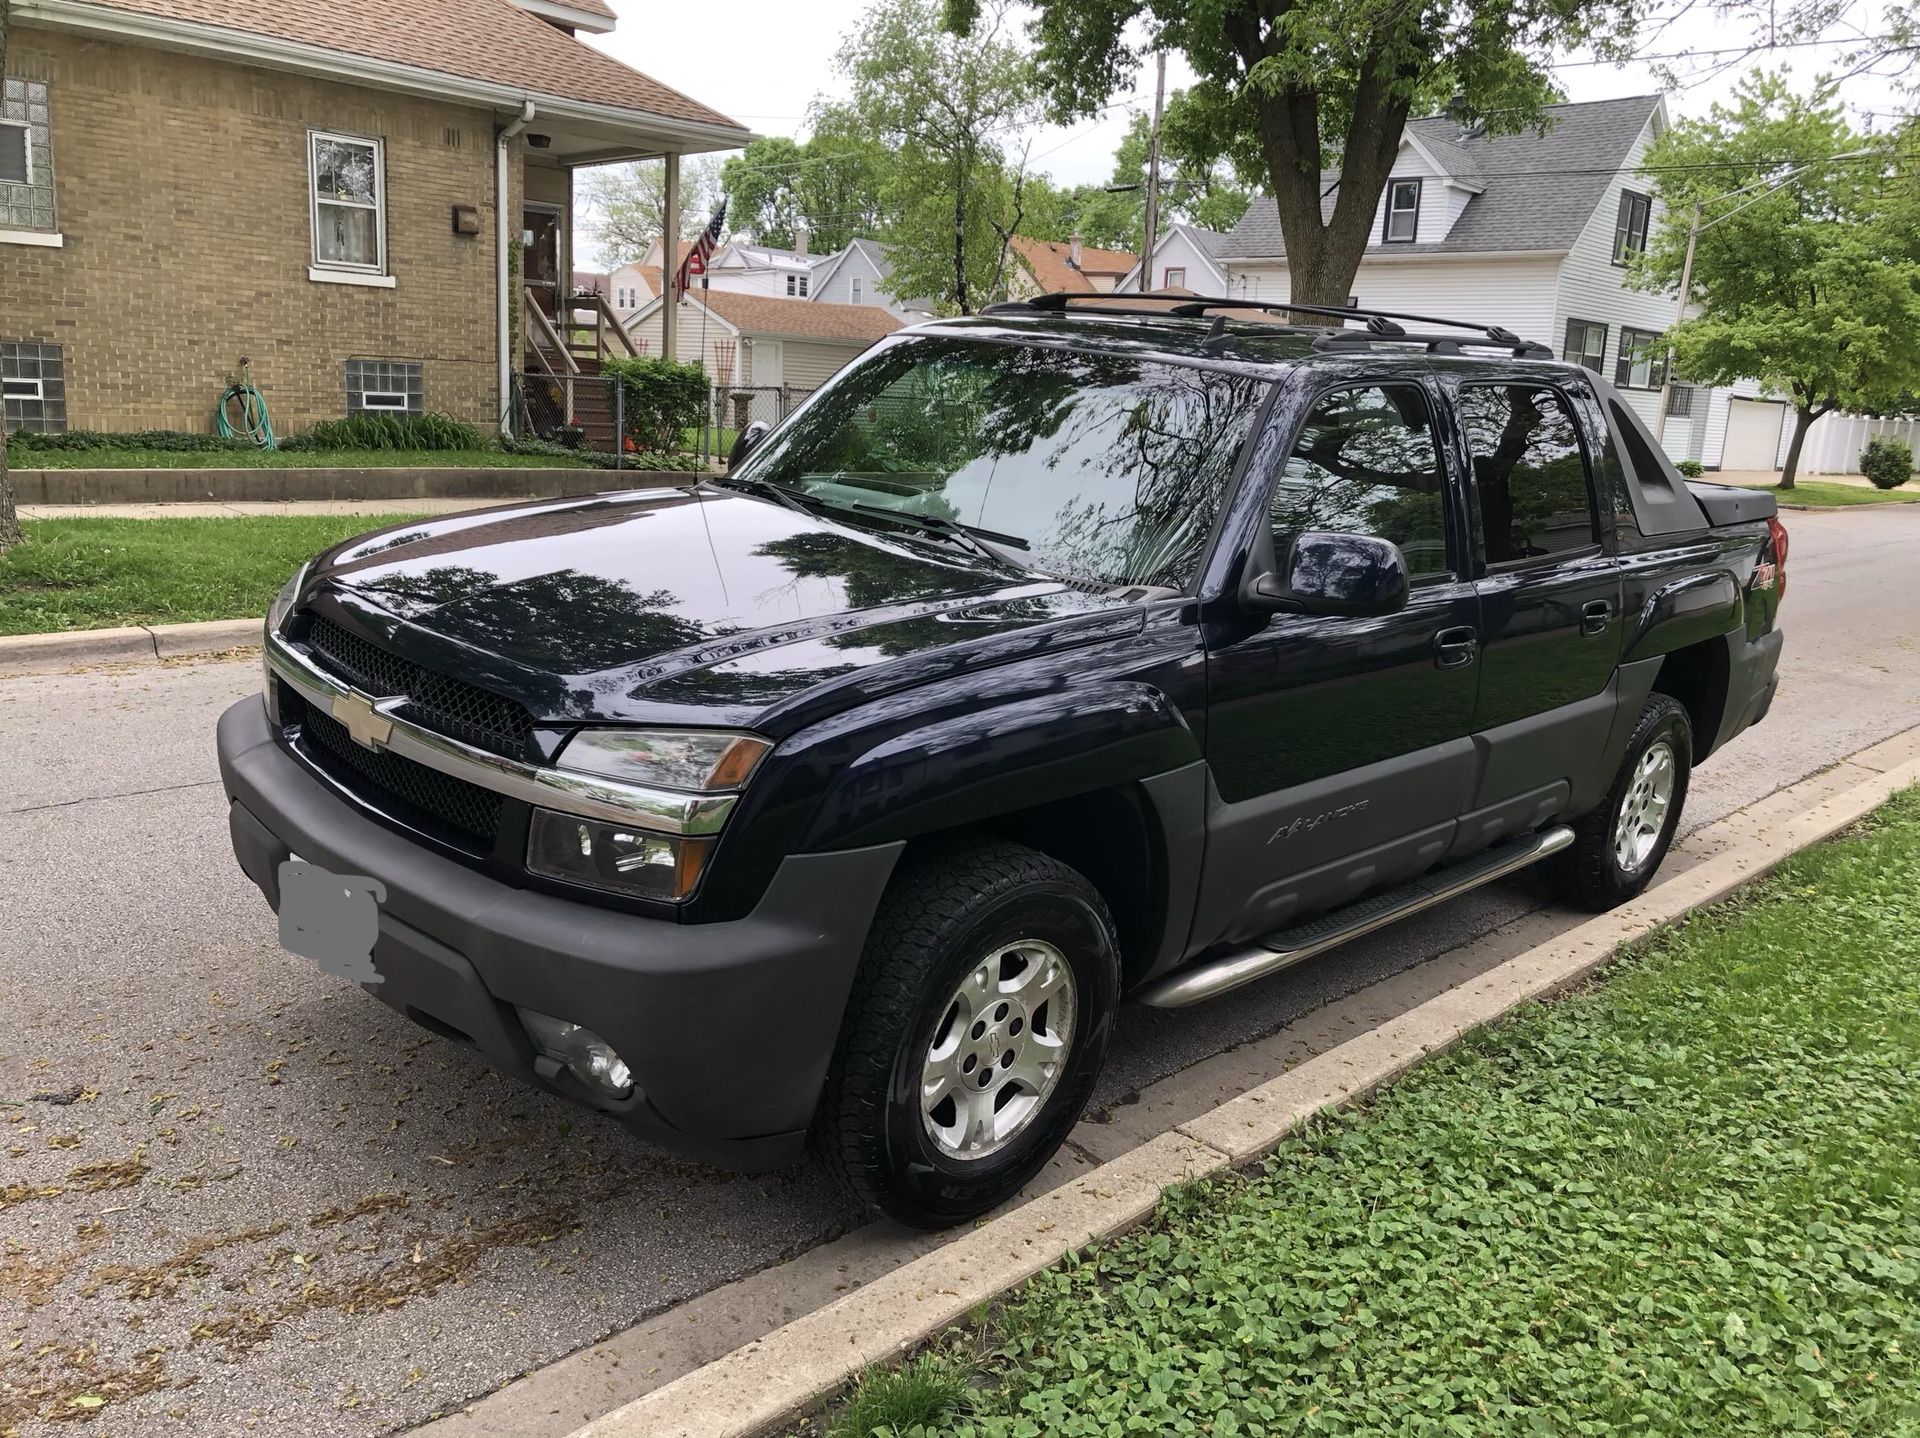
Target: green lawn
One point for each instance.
(19, 458)
(95, 573)
(1685, 1201)
(1815, 495)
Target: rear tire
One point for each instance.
(1619, 846)
(979, 1020)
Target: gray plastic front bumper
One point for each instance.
(728, 1028)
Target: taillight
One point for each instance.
(1777, 532)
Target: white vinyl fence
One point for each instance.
(1835, 441)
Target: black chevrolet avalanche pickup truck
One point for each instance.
(1062, 654)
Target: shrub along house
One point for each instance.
(369, 201)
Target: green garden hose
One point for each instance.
(253, 423)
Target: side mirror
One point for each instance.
(1351, 574)
(746, 442)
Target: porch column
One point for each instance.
(670, 256)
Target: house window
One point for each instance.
(349, 202)
(1403, 211)
(1630, 229)
(803, 284)
(1680, 401)
(33, 387)
(793, 283)
(1173, 275)
(383, 386)
(859, 286)
(1642, 363)
(1586, 344)
(26, 156)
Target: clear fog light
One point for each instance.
(589, 1057)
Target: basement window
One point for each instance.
(383, 386)
(33, 387)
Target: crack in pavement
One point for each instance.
(102, 798)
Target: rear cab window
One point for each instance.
(1106, 468)
(1534, 496)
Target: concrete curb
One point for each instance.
(756, 1388)
(140, 643)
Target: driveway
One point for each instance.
(239, 1198)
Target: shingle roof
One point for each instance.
(1539, 191)
(800, 319)
(487, 40)
(1050, 263)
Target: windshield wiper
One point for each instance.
(780, 492)
(984, 542)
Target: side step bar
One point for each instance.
(1285, 947)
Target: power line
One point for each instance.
(1755, 49)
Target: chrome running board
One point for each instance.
(1285, 947)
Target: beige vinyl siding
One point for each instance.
(697, 336)
(811, 363)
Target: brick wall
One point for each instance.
(183, 200)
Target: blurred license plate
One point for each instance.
(331, 918)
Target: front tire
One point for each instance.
(979, 1021)
(1618, 847)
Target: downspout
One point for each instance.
(500, 278)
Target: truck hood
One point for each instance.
(699, 605)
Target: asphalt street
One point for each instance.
(240, 1198)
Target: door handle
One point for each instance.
(1596, 616)
(1454, 647)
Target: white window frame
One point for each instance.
(378, 401)
(803, 285)
(30, 390)
(859, 284)
(379, 206)
(26, 145)
(793, 285)
(1173, 275)
(1394, 187)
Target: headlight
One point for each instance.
(636, 862)
(689, 759)
(282, 604)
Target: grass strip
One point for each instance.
(97, 573)
(1683, 1201)
(20, 458)
(1815, 495)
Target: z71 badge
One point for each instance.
(1306, 825)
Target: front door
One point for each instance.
(1339, 747)
(1549, 601)
(540, 257)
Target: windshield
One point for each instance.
(1097, 467)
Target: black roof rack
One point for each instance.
(1382, 326)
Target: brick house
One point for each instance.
(313, 184)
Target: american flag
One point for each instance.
(696, 260)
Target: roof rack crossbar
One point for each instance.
(1332, 340)
(1380, 324)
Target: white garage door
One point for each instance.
(1753, 434)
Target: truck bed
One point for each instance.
(1727, 505)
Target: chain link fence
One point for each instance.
(580, 411)
(731, 408)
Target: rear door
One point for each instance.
(1549, 588)
(1339, 746)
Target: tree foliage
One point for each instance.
(943, 106)
(626, 205)
(830, 183)
(1313, 95)
(1814, 287)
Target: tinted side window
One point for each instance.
(1535, 496)
(1366, 463)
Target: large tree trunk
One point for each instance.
(1803, 418)
(1324, 250)
(9, 516)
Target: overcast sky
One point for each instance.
(763, 61)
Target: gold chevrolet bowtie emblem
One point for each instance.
(370, 728)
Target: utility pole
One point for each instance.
(1153, 173)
